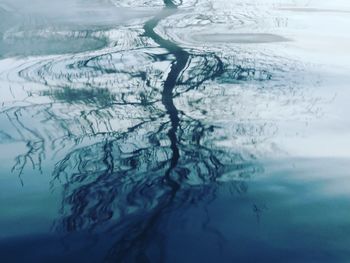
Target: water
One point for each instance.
(175, 131)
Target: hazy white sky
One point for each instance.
(76, 11)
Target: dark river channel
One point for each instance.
(175, 131)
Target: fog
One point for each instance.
(43, 27)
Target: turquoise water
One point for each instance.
(175, 131)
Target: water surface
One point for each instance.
(174, 131)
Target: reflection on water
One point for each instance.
(144, 136)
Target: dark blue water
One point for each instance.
(174, 131)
